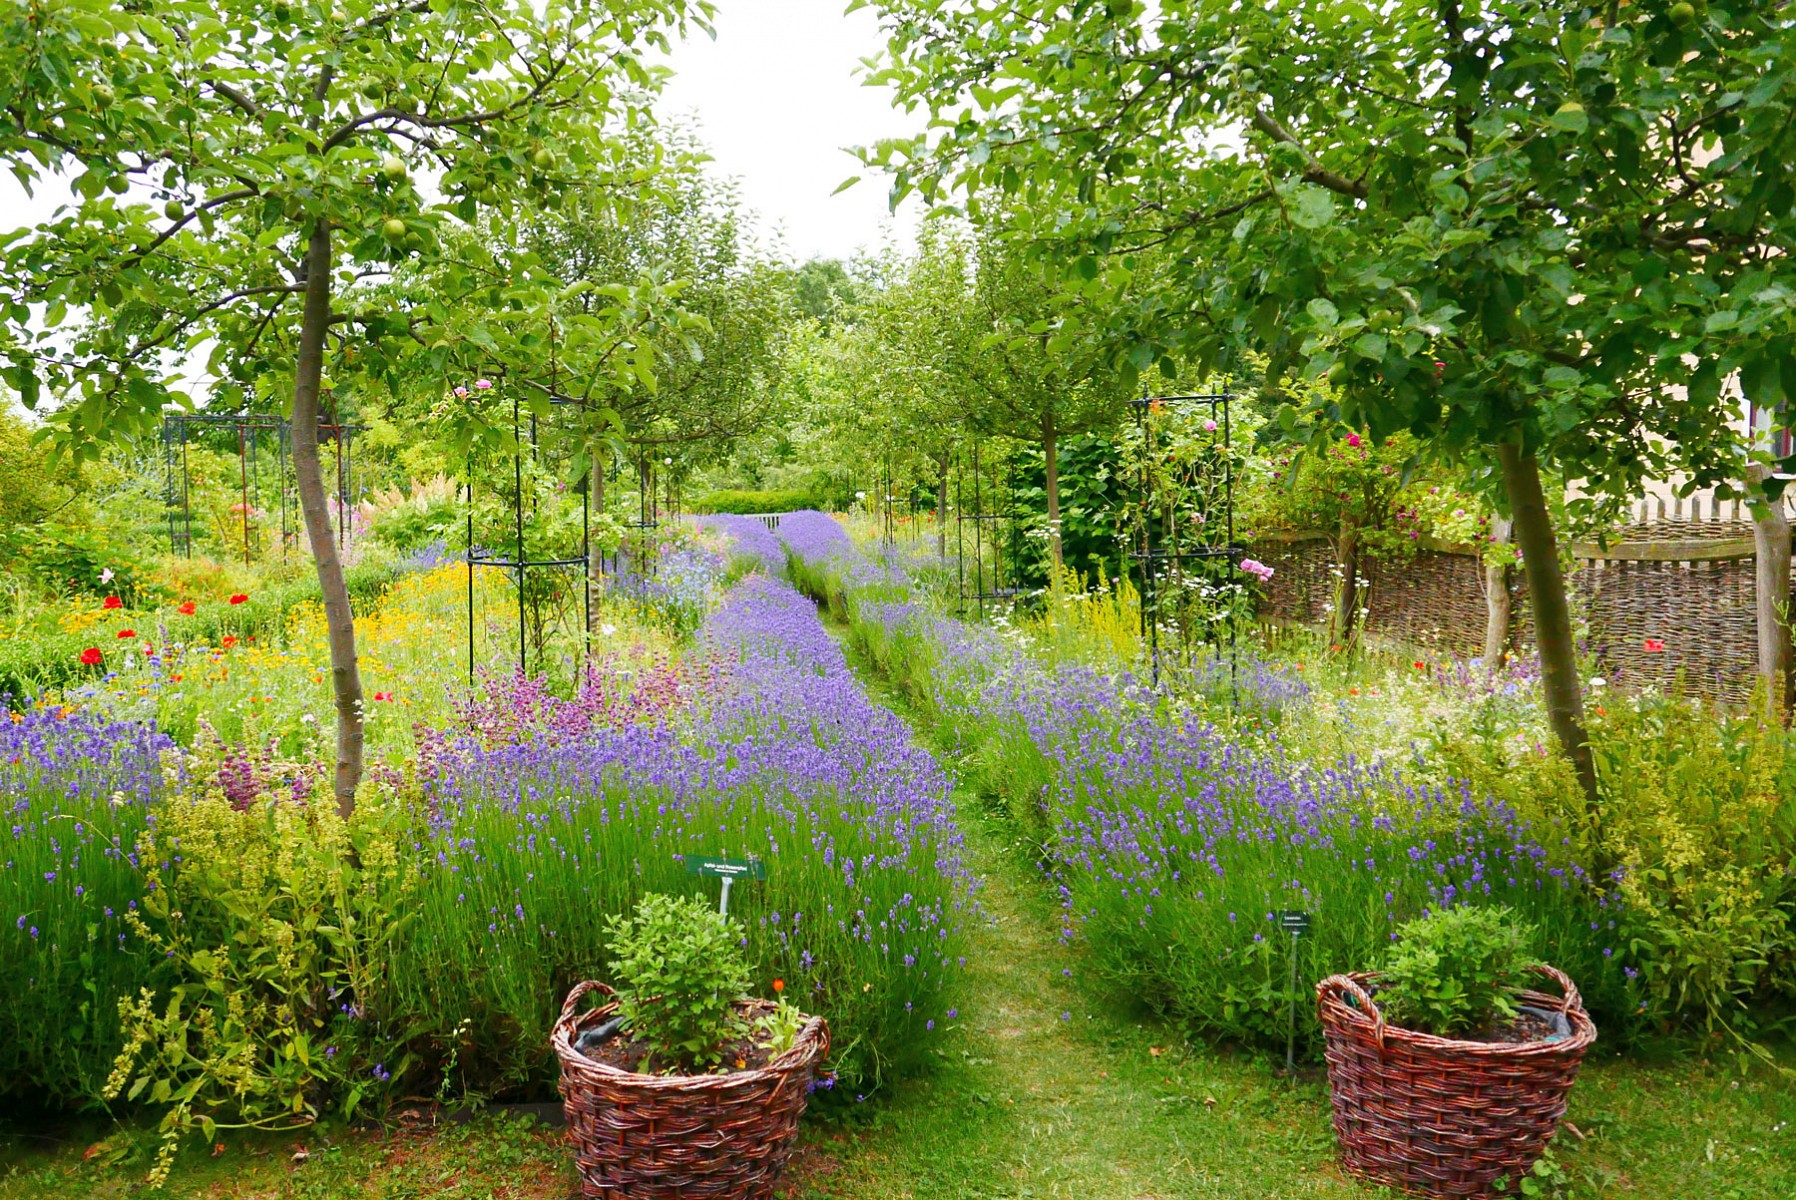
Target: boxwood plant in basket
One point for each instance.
(681, 1085)
(1448, 1075)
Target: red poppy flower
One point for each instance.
(91, 656)
(187, 609)
(112, 602)
(127, 633)
(1655, 646)
(383, 695)
(239, 598)
(1420, 667)
(230, 640)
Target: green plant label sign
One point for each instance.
(726, 868)
(1294, 920)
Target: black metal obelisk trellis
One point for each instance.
(993, 536)
(519, 563)
(179, 430)
(1178, 530)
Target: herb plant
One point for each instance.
(680, 970)
(1457, 971)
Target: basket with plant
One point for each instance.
(1448, 1076)
(681, 1085)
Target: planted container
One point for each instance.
(1442, 1116)
(682, 1137)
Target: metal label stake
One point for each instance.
(729, 870)
(1296, 922)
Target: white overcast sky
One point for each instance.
(776, 99)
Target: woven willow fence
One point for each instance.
(1683, 580)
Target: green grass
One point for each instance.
(1047, 1088)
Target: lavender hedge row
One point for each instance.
(1172, 845)
(513, 840)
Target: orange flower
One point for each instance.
(230, 640)
(779, 985)
(1420, 667)
(127, 633)
(187, 609)
(239, 598)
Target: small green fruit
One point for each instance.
(544, 159)
(393, 167)
(174, 210)
(1682, 14)
(394, 230)
(104, 95)
(118, 185)
(1337, 374)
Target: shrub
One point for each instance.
(1455, 972)
(680, 970)
(1698, 813)
(276, 921)
(748, 503)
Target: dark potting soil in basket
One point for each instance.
(628, 1054)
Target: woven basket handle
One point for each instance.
(1363, 999)
(580, 992)
(1572, 999)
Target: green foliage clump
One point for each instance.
(730, 500)
(1457, 971)
(1698, 815)
(681, 969)
(275, 921)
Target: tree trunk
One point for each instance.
(1346, 591)
(1771, 540)
(1496, 600)
(1552, 614)
(339, 622)
(941, 508)
(1050, 452)
(595, 553)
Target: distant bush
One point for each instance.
(732, 501)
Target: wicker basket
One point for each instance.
(682, 1137)
(1437, 1116)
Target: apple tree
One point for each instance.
(244, 171)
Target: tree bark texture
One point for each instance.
(1050, 453)
(1552, 613)
(1347, 590)
(1497, 604)
(1771, 540)
(339, 621)
(941, 507)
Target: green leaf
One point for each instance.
(1323, 313)
(1311, 207)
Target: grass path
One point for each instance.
(1043, 1093)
